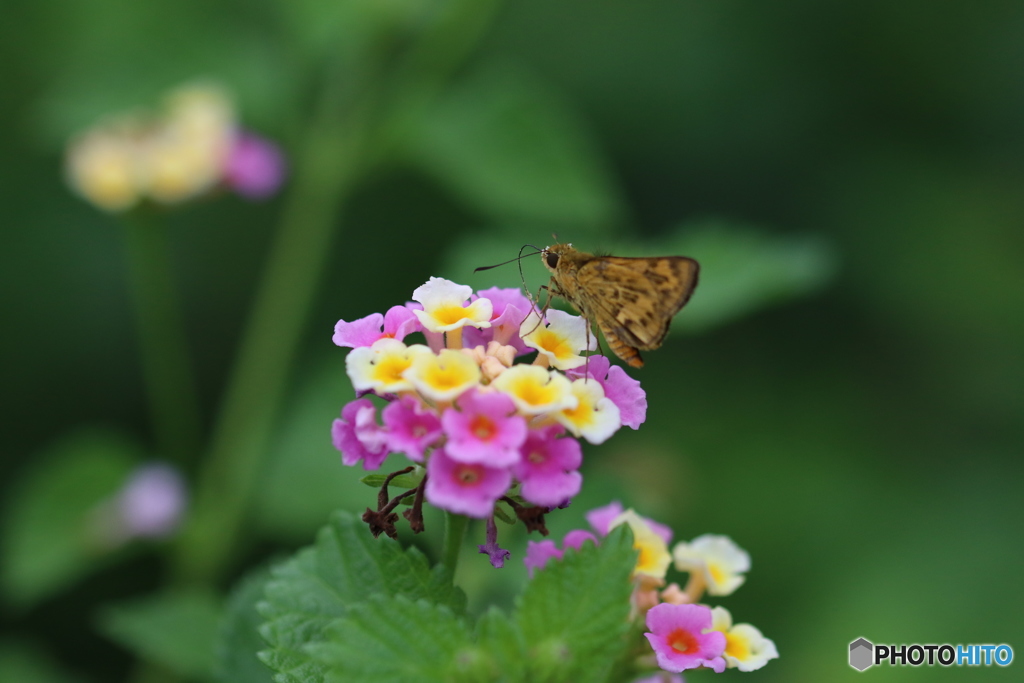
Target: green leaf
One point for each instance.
(53, 532)
(240, 640)
(395, 640)
(177, 630)
(743, 269)
(575, 612)
(322, 583)
(512, 148)
(501, 639)
(402, 481)
(22, 662)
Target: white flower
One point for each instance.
(717, 559)
(443, 306)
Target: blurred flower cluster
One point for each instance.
(149, 505)
(684, 634)
(479, 426)
(191, 146)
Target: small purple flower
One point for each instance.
(464, 488)
(601, 518)
(538, 553)
(679, 639)
(547, 468)
(485, 429)
(619, 388)
(397, 323)
(254, 166)
(411, 427)
(494, 552)
(358, 436)
(576, 538)
(152, 501)
(509, 309)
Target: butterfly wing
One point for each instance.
(633, 300)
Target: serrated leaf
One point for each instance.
(239, 640)
(177, 630)
(52, 534)
(322, 583)
(499, 636)
(574, 612)
(395, 640)
(743, 269)
(510, 147)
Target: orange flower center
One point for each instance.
(536, 457)
(468, 475)
(483, 428)
(682, 641)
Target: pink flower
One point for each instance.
(663, 677)
(619, 388)
(485, 429)
(678, 638)
(600, 518)
(397, 323)
(465, 488)
(358, 436)
(576, 538)
(254, 167)
(548, 467)
(509, 309)
(411, 427)
(538, 553)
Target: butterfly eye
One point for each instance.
(552, 260)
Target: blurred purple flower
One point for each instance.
(152, 501)
(254, 167)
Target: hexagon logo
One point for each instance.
(861, 654)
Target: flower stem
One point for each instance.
(454, 531)
(165, 358)
(326, 172)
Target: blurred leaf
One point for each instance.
(110, 63)
(743, 269)
(22, 662)
(574, 612)
(177, 630)
(53, 533)
(240, 639)
(402, 481)
(394, 640)
(322, 582)
(304, 479)
(510, 147)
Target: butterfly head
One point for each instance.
(553, 254)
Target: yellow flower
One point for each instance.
(717, 559)
(594, 417)
(103, 167)
(746, 648)
(445, 376)
(561, 340)
(443, 309)
(382, 366)
(536, 390)
(654, 557)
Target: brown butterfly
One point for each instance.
(632, 300)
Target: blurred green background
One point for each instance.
(846, 403)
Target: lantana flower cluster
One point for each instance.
(683, 633)
(479, 419)
(193, 145)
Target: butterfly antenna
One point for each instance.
(518, 258)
